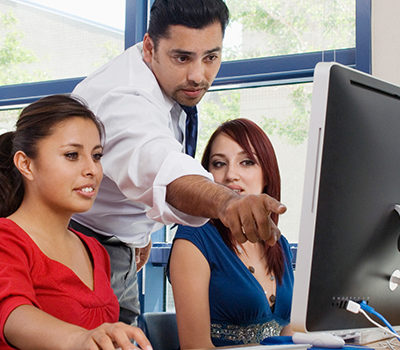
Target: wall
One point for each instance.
(386, 40)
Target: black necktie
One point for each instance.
(191, 129)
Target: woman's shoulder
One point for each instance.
(206, 238)
(284, 242)
(205, 231)
(16, 244)
(12, 232)
(286, 248)
(8, 225)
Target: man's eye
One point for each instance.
(71, 155)
(212, 57)
(97, 156)
(182, 59)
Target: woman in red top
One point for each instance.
(55, 288)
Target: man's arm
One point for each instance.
(248, 216)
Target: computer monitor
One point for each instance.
(349, 242)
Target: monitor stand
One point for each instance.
(363, 336)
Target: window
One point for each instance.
(270, 51)
(262, 28)
(7, 119)
(45, 40)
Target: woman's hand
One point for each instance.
(28, 328)
(110, 336)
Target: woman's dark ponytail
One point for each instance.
(11, 186)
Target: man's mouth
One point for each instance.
(193, 93)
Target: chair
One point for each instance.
(161, 329)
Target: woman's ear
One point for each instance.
(148, 48)
(24, 164)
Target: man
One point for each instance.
(148, 180)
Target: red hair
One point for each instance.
(253, 140)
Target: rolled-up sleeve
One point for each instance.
(142, 155)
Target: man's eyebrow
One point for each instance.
(215, 49)
(190, 53)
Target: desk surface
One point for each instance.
(391, 344)
(262, 347)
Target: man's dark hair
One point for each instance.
(195, 14)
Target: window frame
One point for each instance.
(276, 70)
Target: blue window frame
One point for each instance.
(275, 70)
(268, 70)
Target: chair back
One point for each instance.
(161, 329)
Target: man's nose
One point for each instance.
(196, 72)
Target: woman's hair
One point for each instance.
(253, 140)
(189, 13)
(35, 122)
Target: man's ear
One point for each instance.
(148, 48)
(24, 164)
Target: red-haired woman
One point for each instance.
(225, 292)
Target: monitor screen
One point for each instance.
(349, 233)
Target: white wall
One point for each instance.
(386, 40)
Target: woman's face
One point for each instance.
(231, 166)
(66, 173)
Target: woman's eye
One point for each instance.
(71, 155)
(217, 164)
(248, 162)
(97, 156)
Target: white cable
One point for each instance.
(355, 308)
(377, 324)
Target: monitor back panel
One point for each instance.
(355, 184)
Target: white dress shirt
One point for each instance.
(143, 151)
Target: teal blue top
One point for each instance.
(239, 310)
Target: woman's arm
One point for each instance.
(190, 279)
(28, 328)
(287, 330)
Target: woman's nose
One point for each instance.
(232, 173)
(90, 167)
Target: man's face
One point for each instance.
(185, 62)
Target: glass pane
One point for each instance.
(169, 297)
(8, 118)
(279, 27)
(54, 39)
(283, 113)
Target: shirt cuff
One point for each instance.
(175, 165)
